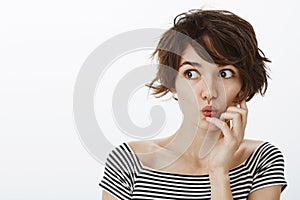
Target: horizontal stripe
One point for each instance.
(125, 177)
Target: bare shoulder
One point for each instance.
(249, 146)
(146, 150)
(252, 144)
(144, 146)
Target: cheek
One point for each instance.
(185, 90)
(231, 96)
(187, 98)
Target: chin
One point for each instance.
(207, 126)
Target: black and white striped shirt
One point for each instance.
(125, 177)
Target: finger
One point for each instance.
(236, 109)
(243, 105)
(234, 116)
(220, 124)
(242, 111)
(237, 125)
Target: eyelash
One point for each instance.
(193, 70)
(231, 71)
(188, 71)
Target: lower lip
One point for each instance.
(209, 113)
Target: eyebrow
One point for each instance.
(194, 64)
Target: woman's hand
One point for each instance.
(221, 157)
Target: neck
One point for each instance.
(193, 140)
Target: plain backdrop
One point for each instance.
(43, 45)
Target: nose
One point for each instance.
(209, 89)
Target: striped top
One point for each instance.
(125, 177)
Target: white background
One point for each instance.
(42, 47)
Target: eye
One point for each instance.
(226, 73)
(191, 74)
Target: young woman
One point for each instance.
(211, 63)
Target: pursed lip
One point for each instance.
(209, 111)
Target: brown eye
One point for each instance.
(226, 73)
(191, 74)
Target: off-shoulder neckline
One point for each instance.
(157, 171)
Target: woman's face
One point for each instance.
(205, 89)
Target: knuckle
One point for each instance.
(237, 116)
(223, 115)
(235, 142)
(225, 126)
(243, 111)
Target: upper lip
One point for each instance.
(209, 109)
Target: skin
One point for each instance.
(220, 138)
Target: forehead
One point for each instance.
(190, 55)
(211, 50)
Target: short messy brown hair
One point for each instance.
(226, 37)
